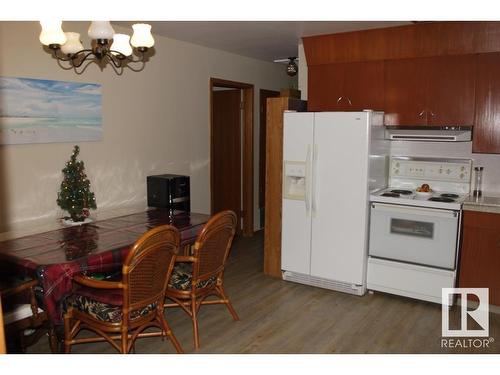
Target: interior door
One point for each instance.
(405, 85)
(296, 210)
(340, 191)
(226, 152)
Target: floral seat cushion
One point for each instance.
(182, 275)
(96, 303)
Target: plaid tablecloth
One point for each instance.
(54, 257)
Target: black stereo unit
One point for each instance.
(169, 191)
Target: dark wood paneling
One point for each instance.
(423, 39)
(444, 38)
(226, 152)
(274, 167)
(450, 92)
(487, 37)
(480, 254)
(486, 136)
(405, 92)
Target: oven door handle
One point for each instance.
(412, 210)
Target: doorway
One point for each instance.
(263, 96)
(231, 150)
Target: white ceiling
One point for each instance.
(264, 40)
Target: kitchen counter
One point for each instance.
(482, 204)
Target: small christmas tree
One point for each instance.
(75, 195)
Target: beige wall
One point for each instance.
(155, 121)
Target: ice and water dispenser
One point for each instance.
(294, 180)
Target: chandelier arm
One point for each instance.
(84, 67)
(137, 69)
(140, 59)
(58, 55)
(60, 63)
(114, 60)
(121, 64)
(118, 69)
(77, 65)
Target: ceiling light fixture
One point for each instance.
(106, 46)
(291, 68)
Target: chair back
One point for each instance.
(148, 266)
(213, 245)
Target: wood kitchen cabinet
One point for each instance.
(435, 91)
(346, 86)
(480, 253)
(486, 137)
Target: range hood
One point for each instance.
(429, 134)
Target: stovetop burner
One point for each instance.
(449, 195)
(442, 199)
(393, 195)
(402, 192)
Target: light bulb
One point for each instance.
(101, 30)
(142, 36)
(52, 33)
(121, 44)
(72, 45)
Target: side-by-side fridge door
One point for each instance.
(296, 198)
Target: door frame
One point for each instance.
(247, 149)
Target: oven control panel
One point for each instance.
(448, 171)
(456, 172)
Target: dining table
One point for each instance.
(98, 247)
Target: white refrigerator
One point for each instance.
(331, 163)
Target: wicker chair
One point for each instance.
(196, 277)
(25, 322)
(121, 310)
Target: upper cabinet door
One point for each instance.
(436, 91)
(346, 86)
(450, 95)
(486, 136)
(363, 86)
(405, 92)
(324, 87)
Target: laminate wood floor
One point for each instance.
(284, 317)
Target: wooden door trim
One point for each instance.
(247, 148)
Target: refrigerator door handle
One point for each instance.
(314, 182)
(307, 200)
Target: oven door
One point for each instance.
(414, 234)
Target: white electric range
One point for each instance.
(414, 237)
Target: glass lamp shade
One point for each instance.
(142, 36)
(101, 30)
(72, 45)
(121, 43)
(52, 33)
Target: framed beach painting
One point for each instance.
(45, 111)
